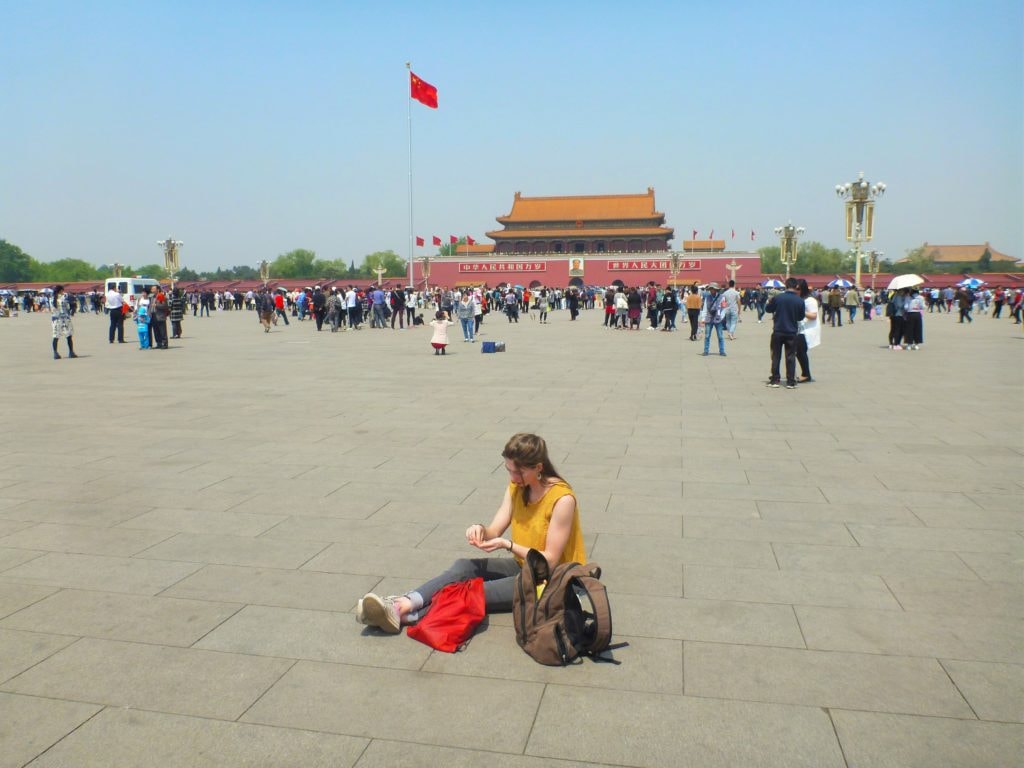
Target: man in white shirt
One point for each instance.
(732, 313)
(115, 306)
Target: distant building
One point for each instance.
(950, 255)
(583, 224)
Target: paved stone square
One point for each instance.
(832, 576)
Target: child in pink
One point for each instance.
(440, 325)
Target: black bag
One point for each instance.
(561, 614)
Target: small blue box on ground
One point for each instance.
(492, 346)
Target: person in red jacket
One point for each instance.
(279, 307)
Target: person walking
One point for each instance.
(965, 302)
(835, 308)
(714, 318)
(512, 306)
(810, 332)
(669, 308)
(158, 313)
(279, 307)
(465, 310)
(732, 309)
(114, 303)
(852, 301)
(398, 309)
(693, 304)
(913, 321)
(177, 312)
(788, 310)
(868, 300)
(60, 320)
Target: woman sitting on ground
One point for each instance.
(543, 514)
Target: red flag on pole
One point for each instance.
(734, 234)
(422, 91)
(751, 234)
(470, 240)
(712, 235)
(419, 241)
(694, 235)
(453, 239)
(437, 240)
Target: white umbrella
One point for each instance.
(905, 281)
(839, 282)
(773, 283)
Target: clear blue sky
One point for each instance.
(247, 129)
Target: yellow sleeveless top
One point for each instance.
(530, 522)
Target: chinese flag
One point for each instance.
(694, 235)
(422, 91)
(419, 241)
(437, 240)
(734, 234)
(712, 235)
(453, 239)
(751, 234)
(470, 240)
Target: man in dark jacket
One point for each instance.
(788, 310)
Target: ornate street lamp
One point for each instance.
(860, 196)
(265, 272)
(874, 261)
(426, 273)
(118, 267)
(170, 247)
(675, 263)
(788, 236)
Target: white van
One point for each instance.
(130, 287)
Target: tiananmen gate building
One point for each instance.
(586, 240)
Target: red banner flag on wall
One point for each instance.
(453, 239)
(437, 240)
(422, 91)
(470, 240)
(419, 241)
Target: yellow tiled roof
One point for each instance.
(583, 208)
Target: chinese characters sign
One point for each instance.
(684, 264)
(478, 267)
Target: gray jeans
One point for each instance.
(499, 575)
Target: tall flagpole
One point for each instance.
(408, 66)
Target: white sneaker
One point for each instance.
(380, 612)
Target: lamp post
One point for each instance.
(860, 196)
(426, 273)
(874, 261)
(170, 247)
(117, 269)
(675, 263)
(265, 272)
(788, 237)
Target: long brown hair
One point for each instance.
(525, 449)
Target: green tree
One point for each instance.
(394, 265)
(155, 271)
(15, 264)
(770, 261)
(915, 262)
(449, 248)
(188, 275)
(985, 262)
(297, 263)
(67, 270)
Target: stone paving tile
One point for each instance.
(115, 616)
(880, 562)
(176, 680)
(827, 679)
(281, 588)
(403, 562)
(14, 597)
(875, 740)
(648, 664)
(314, 635)
(840, 590)
(992, 567)
(994, 691)
(112, 574)
(28, 725)
(75, 513)
(402, 754)
(719, 621)
(234, 550)
(353, 532)
(138, 739)
(82, 539)
(10, 558)
(1008, 520)
(767, 530)
(21, 650)
(725, 493)
(380, 703)
(958, 596)
(10, 527)
(972, 638)
(848, 512)
(996, 502)
(630, 552)
(634, 523)
(197, 521)
(625, 728)
(937, 539)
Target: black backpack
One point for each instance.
(561, 614)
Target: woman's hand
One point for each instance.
(490, 545)
(475, 534)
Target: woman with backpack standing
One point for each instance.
(539, 511)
